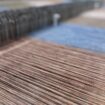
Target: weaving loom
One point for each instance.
(34, 72)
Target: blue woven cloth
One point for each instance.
(74, 35)
(2, 8)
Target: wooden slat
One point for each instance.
(38, 73)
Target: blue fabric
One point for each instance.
(2, 8)
(74, 35)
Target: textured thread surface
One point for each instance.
(45, 74)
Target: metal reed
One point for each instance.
(15, 24)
